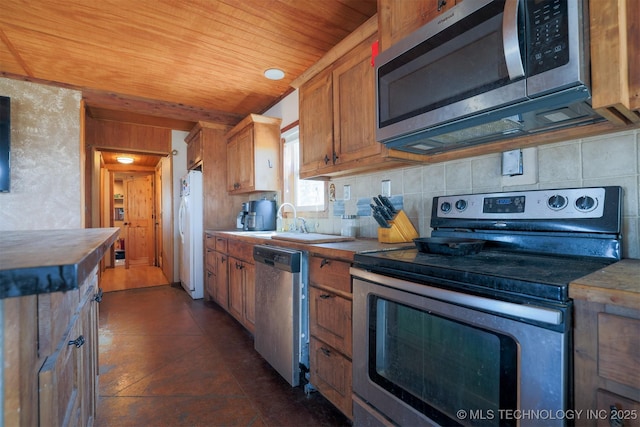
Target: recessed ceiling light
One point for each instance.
(125, 160)
(274, 74)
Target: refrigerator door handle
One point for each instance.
(181, 213)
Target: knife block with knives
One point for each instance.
(395, 226)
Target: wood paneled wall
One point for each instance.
(127, 137)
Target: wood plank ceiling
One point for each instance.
(171, 63)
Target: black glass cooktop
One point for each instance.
(490, 272)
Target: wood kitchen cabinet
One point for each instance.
(210, 266)
(607, 345)
(221, 282)
(337, 118)
(615, 59)
(242, 283)
(52, 381)
(397, 19)
(253, 155)
(195, 143)
(330, 328)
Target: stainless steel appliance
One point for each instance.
(241, 222)
(282, 320)
(261, 215)
(486, 70)
(485, 338)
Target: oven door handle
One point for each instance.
(510, 41)
(522, 311)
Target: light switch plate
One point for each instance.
(512, 163)
(529, 170)
(346, 192)
(385, 189)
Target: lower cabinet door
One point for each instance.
(61, 381)
(235, 288)
(331, 375)
(250, 297)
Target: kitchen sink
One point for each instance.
(310, 237)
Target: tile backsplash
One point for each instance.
(611, 159)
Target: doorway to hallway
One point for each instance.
(140, 276)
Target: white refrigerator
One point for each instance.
(191, 238)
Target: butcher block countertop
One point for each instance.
(45, 261)
(344, 250)
(617, 284)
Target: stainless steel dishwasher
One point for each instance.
(282, 321)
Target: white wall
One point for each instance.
(46, 185)
(286, 109)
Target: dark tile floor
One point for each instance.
(167, 360)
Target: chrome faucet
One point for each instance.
(295, 215)
(303, 225)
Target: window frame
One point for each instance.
(289, 186)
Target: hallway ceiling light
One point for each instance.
(125, 160)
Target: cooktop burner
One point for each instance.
(530, 275)
(536, 242)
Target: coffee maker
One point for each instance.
(261, 215)
(241, 221)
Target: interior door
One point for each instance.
(139, 221)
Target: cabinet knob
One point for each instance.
(326, 296)
(324, 262)
(326, 159)
(325, 351)
(335, 157)
(441, 4)
(98, 297)
(78, 342)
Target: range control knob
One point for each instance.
(445, 207)
(557, 202)
(461, 205)
(585, 203)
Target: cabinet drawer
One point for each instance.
(331, 375)
(330, 319)
(618, 344)
(210, 255)
(221, 244)
(331, 273)
(241, 250)
(210, 241)
(624, 409)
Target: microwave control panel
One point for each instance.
(548, 35)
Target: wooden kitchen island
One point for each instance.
(49, 325)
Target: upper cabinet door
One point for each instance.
(253, 155)
(194, 150)
(240, 161)
(316, 124)
(354, 106)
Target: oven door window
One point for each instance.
(440, 366)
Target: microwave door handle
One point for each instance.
(510, 42)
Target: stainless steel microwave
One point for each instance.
(483, 71)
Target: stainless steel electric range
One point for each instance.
(479, 336)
